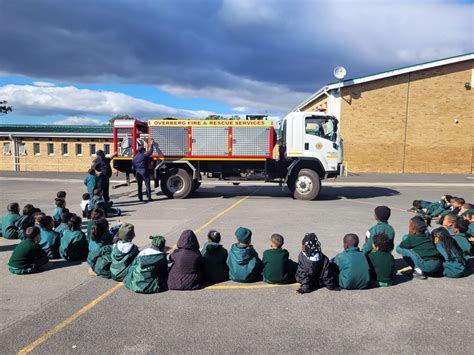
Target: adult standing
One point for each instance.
(140, 164)
(106, 170)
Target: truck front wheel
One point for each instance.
(307, 185)
(177, 183)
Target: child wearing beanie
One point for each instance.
(243, 261)
(149, 271)
(382, 215)
(123, 252)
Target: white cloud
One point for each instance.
(40, 101)
(77, 120)
(44, 84)
(239, 109)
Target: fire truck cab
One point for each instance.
(300, 150)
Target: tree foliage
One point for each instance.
(4, 108)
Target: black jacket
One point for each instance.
(140, 163)
(316, 274)
(104, 163)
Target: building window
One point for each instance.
(6, 148)
(107, 149)
(22, 149)
(36, 149)
(78, 149)
(64, 148)
(50, 149)
(92, 149)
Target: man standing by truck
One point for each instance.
(104, 163)
(140, 164)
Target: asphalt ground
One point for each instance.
(64, 310)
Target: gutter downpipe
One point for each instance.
(15, 152)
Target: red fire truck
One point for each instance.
(307, 150)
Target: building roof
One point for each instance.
(386, 74)
(78, 131)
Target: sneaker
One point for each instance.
(119, 212)
(417, 273)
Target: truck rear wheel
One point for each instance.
(177, 183)
(306, 185)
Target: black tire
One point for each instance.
(177, 184)
(196, 185)
(307, 185)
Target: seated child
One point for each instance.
(26, 220)
(74, 244)
(149, 271)
(90, 181)
(100, 248)
(464, 208)
(123, 252)
(243, 261)
(215, 259)
(277, 266)
(186, 271)
(418, 250)
(8, 228)
(381, 260)
(61, 194)
(98, 201)
(58, 210)
(354, 271)
(314, 268)
(420, 206)
(382, 214)
(456, 204)
(50, 239)
(449, 221)
(65, 216)
(436, 208)
(85, 203)
(28, 257)
(96, 214)
(454, 265)
(459, 234)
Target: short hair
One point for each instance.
(13, 207)
(417, 203)
(214, 236)
(86, 196)
(32, 232)
(97, 213)
(37, 216)
(351, 239)
(91, 171)
(419, 223)
(60, 202)
(460, 201)
(141, 150)
(74, 223)
(451, 217)
(462, 225)
(467, 206)
(383, 242)
(61, 194)
(28, 209)
(65, 215)
(97, 192)
(448, 197)
(277, 240)
(45, 221)
(98, 167)
(100, 227)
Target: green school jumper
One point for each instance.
(276, 266)
(464, 244)
(379, 228)
(381, 267)
(8, 228)
(90, 181)
(353, 269)
(453, 267)
(28, 257)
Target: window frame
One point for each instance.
(36, 145)
(65, 152)
(90, 149)
(79, 145)
(50, 151)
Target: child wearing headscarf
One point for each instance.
(314, 268)
(186, 271)
(149, 271)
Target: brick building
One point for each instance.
(417, 119)
(52, 147)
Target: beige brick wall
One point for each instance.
(56, 162)
(407, 123)
(320, 104)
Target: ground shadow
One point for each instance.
(60, 264)
(402, 277)
(9, 247)
(355, 192)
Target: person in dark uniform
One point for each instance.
(104, 163)
(140, 170)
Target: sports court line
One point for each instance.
(30, 347)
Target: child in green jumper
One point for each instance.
(8, 228)
(215, 268)
(382, 215)
(100, 248)
(123, 252)
(28, 257)
(277, 266)
(26, 220)
(460, 229)
(58, 210)
(381, 260)
(65, 217)
(73, 241)
(243, 261)
(454, 265)
(418, 249)
(50, 239)
(354, 271)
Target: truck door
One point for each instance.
(321, 140)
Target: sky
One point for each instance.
(81, 62)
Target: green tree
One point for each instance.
(4, 108)
(215, 117)
(119, 117)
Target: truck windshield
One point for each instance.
(324, 127)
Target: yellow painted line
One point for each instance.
(106, 294)
(233, 287)
(69, 320)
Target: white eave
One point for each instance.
(383, 75)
